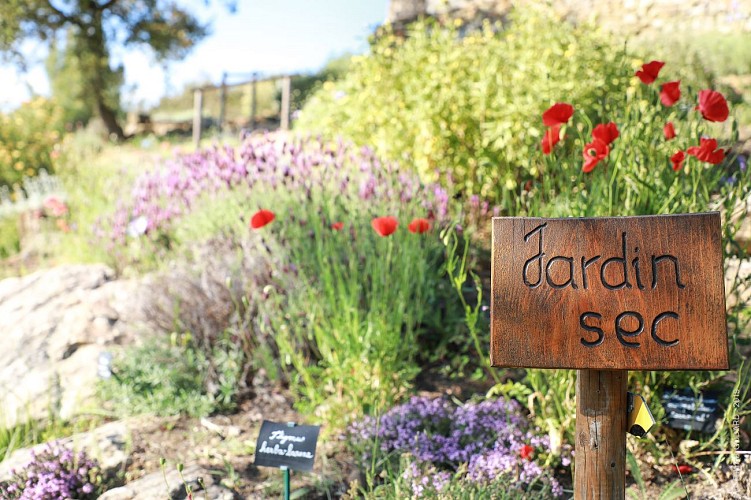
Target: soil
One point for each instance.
(225, 446)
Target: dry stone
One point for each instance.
(154, 485)
(54, 323)
(620, 16)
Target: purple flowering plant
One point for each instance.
(475, 444)
(347, 320)
(263, 167)
(55, 473)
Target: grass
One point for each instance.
(30, 432)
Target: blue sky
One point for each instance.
(269, 36)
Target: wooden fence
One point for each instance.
(252, 84)
(252, 102)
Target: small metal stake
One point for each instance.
(285, 471)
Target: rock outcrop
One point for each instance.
(171, 485)
(54, 325)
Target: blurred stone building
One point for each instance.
(632, 16)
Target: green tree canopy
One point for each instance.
(166, 27)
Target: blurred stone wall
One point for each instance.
(630, 16)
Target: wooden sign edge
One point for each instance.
(723, 366)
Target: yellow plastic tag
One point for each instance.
(640, 419)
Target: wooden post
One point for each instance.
(601, 416)
(197, 116)
(286, 90)
(604, 296)
(222, 102)
(253, 85)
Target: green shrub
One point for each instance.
(28, 137)
(467, 106)
(350, 312)
(168, 377)
(355, 306)
(304, 86)
(9, 238)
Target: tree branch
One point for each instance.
(57, 11)
(63, 16)
(106, 5)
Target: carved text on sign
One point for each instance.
(614, 292)
(570, 263)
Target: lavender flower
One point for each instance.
(440, 437)
(55, 473)
(299, 168)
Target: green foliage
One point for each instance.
(355, 306)
(95, 176)
(347, 310)
(167, 28)
(66, 65)
(711, 52)
(636, 178)
(468, 106)
(18, 436)
(9, 238)
(458, 269)
(393, 482)
(29, 432)
(304, 86)
(169, 378)
(28, 137)
(671, 492)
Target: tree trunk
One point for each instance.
(95, 65)
(109, 119)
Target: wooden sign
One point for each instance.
(286, 445)
(612, 293)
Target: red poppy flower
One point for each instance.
(419, 226)
(261, 218)
(649, 71)
(683, 469)
(670, 93)
(606, 132)
(593, 153)
(337, 226)
(384, 226)
(713, 106)
(557, 114)
(669, 131)
(526, 451)
(551, 138)
(707, 151)
(677, 159)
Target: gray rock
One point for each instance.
(54, 323)
(154, 486)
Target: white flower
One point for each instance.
(137, 226)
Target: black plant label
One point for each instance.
(286, 445)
